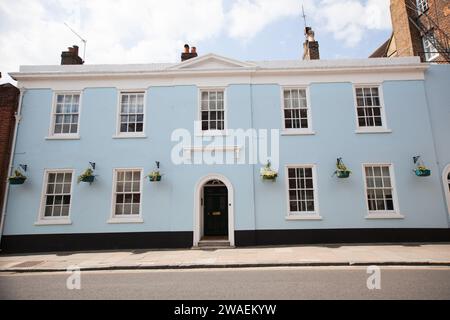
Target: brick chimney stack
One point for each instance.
(186, 55)
(71, 56)
(311, 46)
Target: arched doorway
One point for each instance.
(213, 212)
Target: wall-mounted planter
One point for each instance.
(17, 180)
(343, 174)
(267, 173)
(155, 175)
(423, 172)
(88, 179)
(155, 178)
(270, 178)
(88, 175)
(18, 177)
(341, 170)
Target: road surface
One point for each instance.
(235, 284)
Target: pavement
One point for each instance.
(411, 254)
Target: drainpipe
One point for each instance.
(18, 116)
(435, 149)
(253, 166)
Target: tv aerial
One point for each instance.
(81, 38)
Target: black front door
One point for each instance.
(215, 211)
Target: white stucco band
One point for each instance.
(211, 70)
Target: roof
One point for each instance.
(7, 89)
(213, 63)
(8, 85)
(381, 52)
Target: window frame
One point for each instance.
(384, 127)
(297, 131)
(432, 56)
(385, 214)
(302, 215)
(446, 183)
(64, 136)
(118, 219)
(42, 219)
(225, 112)
(130, 135)
(418, 6)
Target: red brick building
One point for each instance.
(420, 28)
(9, 99)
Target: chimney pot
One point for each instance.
(186, 55)
(310, 36)
(310, 46)
(71, 56)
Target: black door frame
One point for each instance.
(204, 197)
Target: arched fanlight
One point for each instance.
(214, 182)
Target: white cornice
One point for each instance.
(322, 67)
(19, 76)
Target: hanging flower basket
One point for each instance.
(17, 178)
(88, 179)
(155, 179)
(87, 176)
(154, 176)
(423, 172)
(343, 174)
(272, 177)
(341, 170)
(268, 174)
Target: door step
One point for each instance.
(214, 244)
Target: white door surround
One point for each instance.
(198, 207)
(446, 182)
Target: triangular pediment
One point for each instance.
(211, 62)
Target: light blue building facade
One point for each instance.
(375, 114)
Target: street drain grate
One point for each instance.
(27, 264)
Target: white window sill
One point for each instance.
(381, 130)
(125, 220)
(212, 133)
(131, 136)
(295, 132)
(51, 222)
(295, 217)
(384, 216)
(63, 137)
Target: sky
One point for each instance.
(34, 32)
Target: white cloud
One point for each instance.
(134, 31)
(249, 17)
(348, 20)
(123, 31)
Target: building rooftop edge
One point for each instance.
(195, 66)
